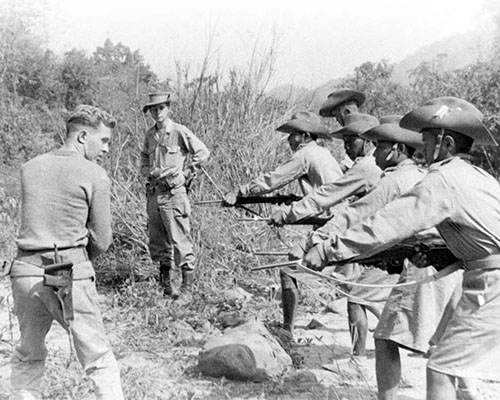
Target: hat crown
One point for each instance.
(456, 103)
(330, 107)
(306, 116)
(158, 98)
(360, 117)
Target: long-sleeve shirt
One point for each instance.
(165, 151)
(311, 164)
(65, 201)
(362, 177)
(393, 183)
(461, 200)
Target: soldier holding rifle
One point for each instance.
(411, 313)
(311, 165)
(166, 165)
(66, 202)
(357, 181)
(462, 202)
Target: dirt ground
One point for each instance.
(170, 372)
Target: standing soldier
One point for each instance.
(65, 203)
(462, 202)
(310, 164)
(411, 314)
(165, 165)
(362, 177)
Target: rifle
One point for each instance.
(59, 276)
(305, 221)
(392, 259)
(277, 199)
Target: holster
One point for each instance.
(59, 276)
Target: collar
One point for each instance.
(403, 163)
(167, 127)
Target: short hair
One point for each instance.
(86, 115)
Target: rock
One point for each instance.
(246, 352)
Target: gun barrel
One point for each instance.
(276, 265)
(205, 202)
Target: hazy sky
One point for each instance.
(316, 40)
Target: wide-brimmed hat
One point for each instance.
(335, 99)
(459, 119)
(392, 132)
(157, 98)
(355, 125)
(304, 121)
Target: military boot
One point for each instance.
(166, 282)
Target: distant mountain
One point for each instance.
(455, 52)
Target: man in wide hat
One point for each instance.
(462, 202)
(165, 165)
(341, 103)
(310, 164)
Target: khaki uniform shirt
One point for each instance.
(362, 177)
(311, 164)
(393, 183)
(461, 200)
(165, 152)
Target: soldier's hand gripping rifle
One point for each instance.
(392, 260)
(59, 276)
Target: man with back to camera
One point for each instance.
(462, 202)
(65, 203)
(169, 158)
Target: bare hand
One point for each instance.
(419, 259)
(278, 217)
(230, 198)
(297, 252)
(315, 258)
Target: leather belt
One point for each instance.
(41, 258)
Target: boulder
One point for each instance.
(246, 352)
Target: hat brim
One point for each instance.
(353, 129)
(297, 125)
(328, 108)
(466, 123)
(394, 133)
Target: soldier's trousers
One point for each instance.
(36, 306)
(170, 241)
